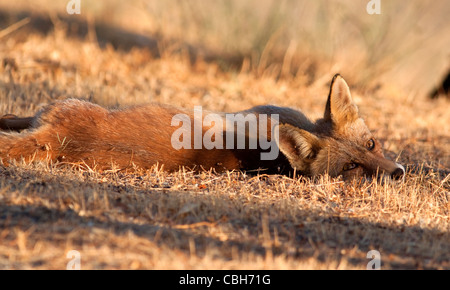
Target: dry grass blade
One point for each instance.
(4, 32)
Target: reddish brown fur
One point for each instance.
(77, 131)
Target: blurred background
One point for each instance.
(408, 44)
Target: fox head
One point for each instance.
(339, 144)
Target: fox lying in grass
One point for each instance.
(75, 131)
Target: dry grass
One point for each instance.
(156, 220)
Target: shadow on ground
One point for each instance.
(104, 34)
(320, 236)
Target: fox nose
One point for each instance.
(398, 172)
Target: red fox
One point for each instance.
(75, 131)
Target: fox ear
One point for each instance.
(340, 108)
(297, 144)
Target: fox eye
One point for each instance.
(370, 144)
(350, 166)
